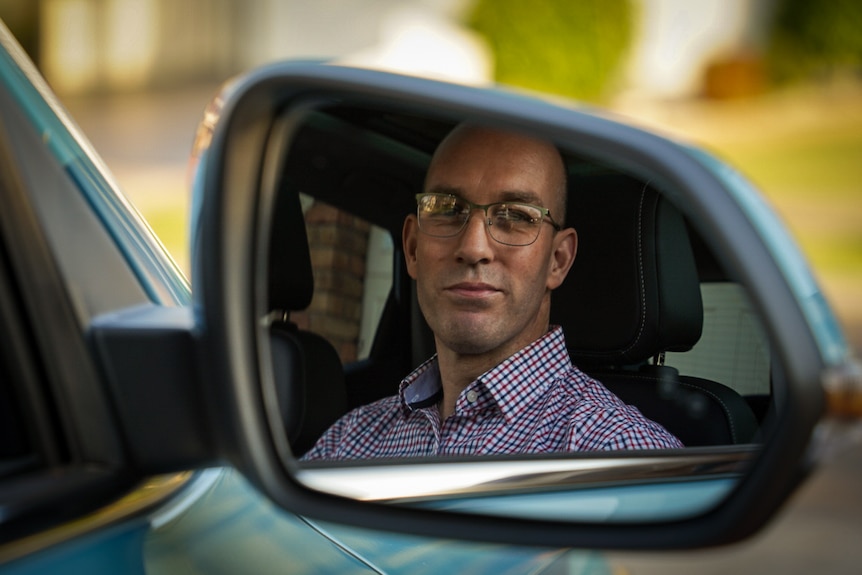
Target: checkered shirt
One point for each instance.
(535, 401)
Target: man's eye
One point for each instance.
(451, 209)
(442, 212)
(514, 214)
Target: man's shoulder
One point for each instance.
(379, 407)
(585, 389)
(604, 421)
(348, 432)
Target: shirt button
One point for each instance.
(472, 396)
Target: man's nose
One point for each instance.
(474, 244)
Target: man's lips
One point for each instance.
(472, 289)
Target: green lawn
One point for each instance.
(812, 175)
(822, 164)
(815, 181)
(170, 223)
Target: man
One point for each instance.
(486, 248)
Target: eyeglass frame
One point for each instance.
(545, 214)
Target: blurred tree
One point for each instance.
(815, 39)
(566, 47)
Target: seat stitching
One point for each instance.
(640, 270)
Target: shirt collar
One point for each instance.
(514, 384)
(525, 377)
(422, 388)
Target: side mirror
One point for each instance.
(360, 141)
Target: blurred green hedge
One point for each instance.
(812, 40)
(565, 47)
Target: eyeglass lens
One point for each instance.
(507, 222)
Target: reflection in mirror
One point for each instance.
(598, 488)
(359, 301)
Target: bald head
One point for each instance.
(483, 298)
(493, 148)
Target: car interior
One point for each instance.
(647, 308)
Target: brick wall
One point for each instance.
(338, 244)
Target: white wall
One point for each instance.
(675, 39)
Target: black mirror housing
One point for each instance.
(235, 184)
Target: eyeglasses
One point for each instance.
(510, 223)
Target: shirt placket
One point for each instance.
(433, 440)
(462, 422)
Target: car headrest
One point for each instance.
(633, 290)
(291, 281)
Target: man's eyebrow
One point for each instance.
(445, 189)
(520, 196)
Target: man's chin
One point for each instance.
(470, 348)
(472, 340)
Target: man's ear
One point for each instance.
(562, 257)
(408, 242)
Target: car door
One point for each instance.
(62, 457)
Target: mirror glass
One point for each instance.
(646, 308)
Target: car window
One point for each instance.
(352, 266)
(733, 348)
(17, 453)
(357, 171)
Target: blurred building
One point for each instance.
(83, 46)
(87, 46)
(707, 47)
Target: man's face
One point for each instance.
(480, 296)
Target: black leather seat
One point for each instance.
(308, 371)
(633, 294)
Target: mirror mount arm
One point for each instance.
(149, 360)
(841, 429)
(843, 387)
